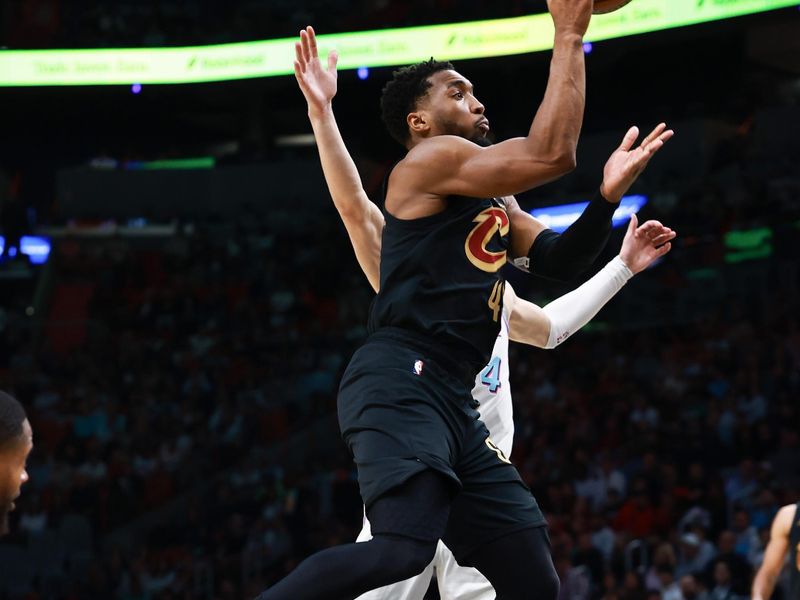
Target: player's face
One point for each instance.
(13, 473)
(453, 108)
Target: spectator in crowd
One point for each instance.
(723, 588)
(746, 535)
(669, 587)
(587, 555)
(633, 587)
(764, 509)
(637, 515)
(741, 486)
(696, 553)
(692, 588)
(663, 558)
(727, 551)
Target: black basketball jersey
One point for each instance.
(440, 280)
(794, 555)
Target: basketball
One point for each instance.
(606, 6)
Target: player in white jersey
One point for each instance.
(493, 391)
(522, 321)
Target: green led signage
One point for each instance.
(750, 244)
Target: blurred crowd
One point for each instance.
(661, 456)
(162, 373)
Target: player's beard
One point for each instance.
(4, 521)
(476, 136)
(482, 140)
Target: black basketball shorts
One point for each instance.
(400, 413)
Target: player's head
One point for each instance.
(429, 99)
(16, 442)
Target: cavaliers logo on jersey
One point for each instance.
(489, 222)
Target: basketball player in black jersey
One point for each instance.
(427, 469)
(365, 222)
(784, 539)
(16, 442)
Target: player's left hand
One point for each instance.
(625, 165)
(317, 83)
(642, 245)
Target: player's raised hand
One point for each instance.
(317, 83)
(642, 245)
(627, 163)
(571, 16)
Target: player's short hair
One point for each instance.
(401, 94)
(12, 416)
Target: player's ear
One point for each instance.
(418, 122)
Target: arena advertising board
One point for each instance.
(380, 48)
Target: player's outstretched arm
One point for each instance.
(549, 326)
(767, 576)
(362, 219)
(446, 165)
(563, 257)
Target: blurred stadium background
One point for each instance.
(179, 299)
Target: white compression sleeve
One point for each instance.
(572, 311)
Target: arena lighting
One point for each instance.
(297, 140)
(200, 162)
(561, 216)
(379, 48)
(36, 248)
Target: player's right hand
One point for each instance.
(644, 244)
(317, 83)
(571, 16)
